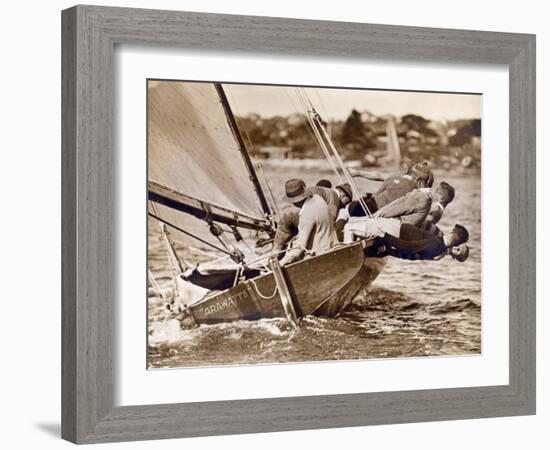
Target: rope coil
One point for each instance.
(265, 297)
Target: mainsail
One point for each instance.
(193, 149)
(198, 167)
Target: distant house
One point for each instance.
(273, 152)
(414, 135)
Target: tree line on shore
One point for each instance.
(362, 137)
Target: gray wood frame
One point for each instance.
(89, 270)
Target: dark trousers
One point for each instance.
(356, 210)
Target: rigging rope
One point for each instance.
(187, 233)
(217, 231)
(345, 171)
(327, 116)
(271, 196)
(311, 128)
(304, 100)
(317, 124)
(265, 297)
(325, 149)
(213, 261)
(156, 287)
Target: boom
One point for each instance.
(203, 210)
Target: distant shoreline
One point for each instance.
(321, 165)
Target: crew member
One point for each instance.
(324, 183)
(420, 207)
(443, 195)
(407, 241)
(336, 198)
(420, 175)
(315, 226)
(287, 224)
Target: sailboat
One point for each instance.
(392, 146)
(203, 186)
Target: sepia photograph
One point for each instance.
(293, 224)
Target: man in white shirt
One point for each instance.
(316, 233)
(336, 198)
(407, 241)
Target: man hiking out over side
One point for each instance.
(421, 207)
(444, 194)
(420, 175)
(409, 242)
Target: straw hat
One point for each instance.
(296, 191)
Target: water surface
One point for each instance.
(414, 308)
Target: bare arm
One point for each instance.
(341, 220)
(286, 229)
(305, 228)
(435, 214)
(282, 238)
(373, 176)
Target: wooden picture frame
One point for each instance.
(90, 34)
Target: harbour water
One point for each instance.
(413, 309)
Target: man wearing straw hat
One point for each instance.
(336, 198)
(316, 233)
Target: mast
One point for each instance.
(243, 150)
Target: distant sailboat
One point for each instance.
(392, 146)
(203, 186)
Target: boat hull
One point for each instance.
(340, 300)
(321, 285)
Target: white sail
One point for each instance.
(394, 152)
(193, 150)
(197, 168)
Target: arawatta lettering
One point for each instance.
(229, 302)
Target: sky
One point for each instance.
(336, 104)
